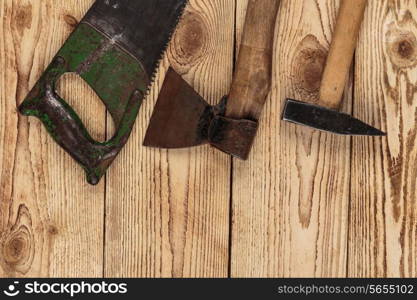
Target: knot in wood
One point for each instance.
(52, 230)
(190, 41)
(402, 48)
(71, 21)
(15, 247)
(307, 68)
(18, 244)
(17, 250)
(23, 18)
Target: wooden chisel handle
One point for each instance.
(341, 52)
(252, 79)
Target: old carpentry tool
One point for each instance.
(323, 115)
(182, 118)
(116, 49)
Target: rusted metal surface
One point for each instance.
(141, 27)
(182, 118)
(234, 137)
(115, 49)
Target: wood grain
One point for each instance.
(167, 212)
(305, 204)
(252, 76)
(382, 235)
(290, 199)
(51, 222)
(342, 49)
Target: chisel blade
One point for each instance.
(325, 119)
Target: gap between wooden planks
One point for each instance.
(304, 205)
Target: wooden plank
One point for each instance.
(167, 212)
(290, 200)
(382, 237)
(51, 221)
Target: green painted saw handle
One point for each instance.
(67, 129)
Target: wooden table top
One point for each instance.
(305, 204)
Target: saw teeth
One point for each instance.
(161, 56)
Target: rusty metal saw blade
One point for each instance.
(325, 119)
(142, 27)
(181, 117)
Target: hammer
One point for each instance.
(324, 115)
(182, 118)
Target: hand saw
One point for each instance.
(116, 49)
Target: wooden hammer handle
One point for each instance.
(341, 53)
(252, 79)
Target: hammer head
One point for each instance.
(325, 119)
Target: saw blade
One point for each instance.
(143, 28)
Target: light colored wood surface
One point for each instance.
(168, 212)
(305, 204)
(290, 200)
(383, 218)
(51, 221)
